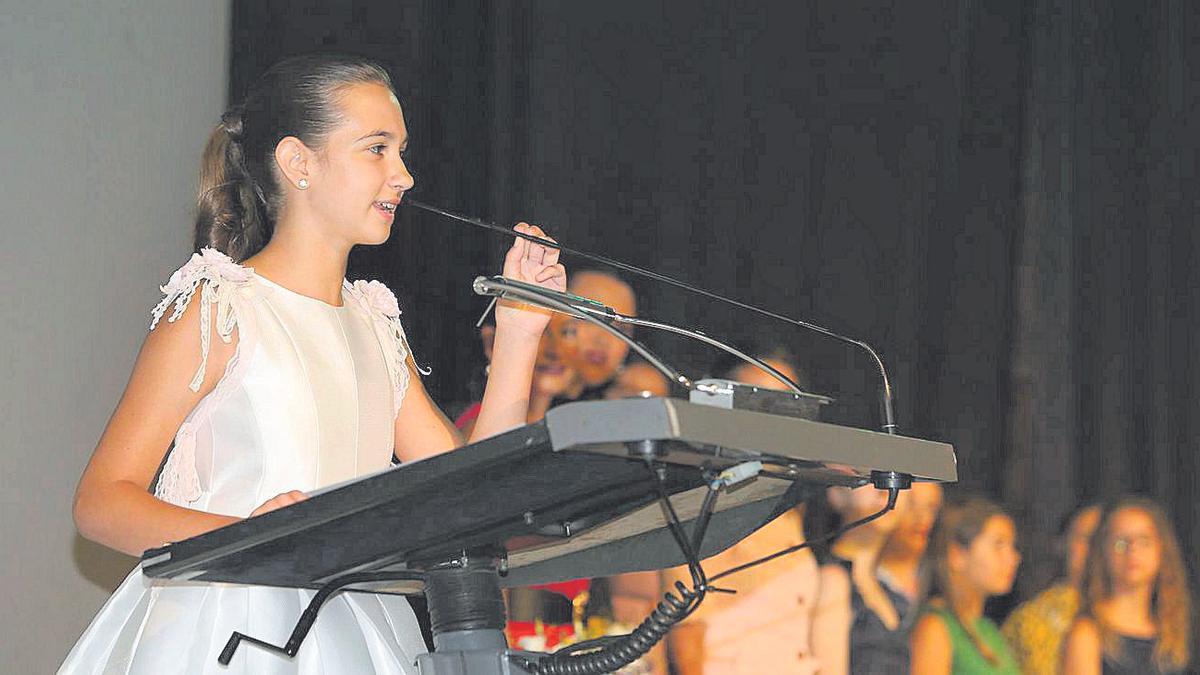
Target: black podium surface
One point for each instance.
(565, 498)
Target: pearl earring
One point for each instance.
(303, 184)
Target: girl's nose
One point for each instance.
(402, 180)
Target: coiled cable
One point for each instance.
(615, 652)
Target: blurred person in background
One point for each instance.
(860, 624)
(900, 567)
(638, 379)
(1136, 611)
(974, 557)
(764, 628)
(1035, 630)
(592, 353)
(552, 377)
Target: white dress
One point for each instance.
(308, 400)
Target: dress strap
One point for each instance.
(218, 278)
(381, 304)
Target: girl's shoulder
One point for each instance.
(206, 269)
(378, 301)
(936, 616)
(219, 281)
(1084, 631)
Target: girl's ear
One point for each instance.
(956, 558)
(294, 160)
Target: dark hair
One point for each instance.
(240, 190)
(1068, 520)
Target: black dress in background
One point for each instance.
(1137, 658)
(873, 647)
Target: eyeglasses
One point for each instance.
(1124, 544)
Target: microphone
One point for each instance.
(604, 316)
(580, 308)
(505, 289)
(889, 418)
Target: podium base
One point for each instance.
(471, 652)
(466, 611)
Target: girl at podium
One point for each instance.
(266, 374)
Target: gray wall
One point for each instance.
(106, 106)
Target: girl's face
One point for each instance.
(359, 175)
(923, 501)
(1132, 549)
(593, 353)
(990, 562)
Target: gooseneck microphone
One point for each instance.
(604, 316)
(889, 423)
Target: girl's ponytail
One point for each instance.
(230, 214)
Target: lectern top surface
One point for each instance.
(563, 498)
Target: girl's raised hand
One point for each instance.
(533, 264)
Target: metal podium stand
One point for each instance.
(565, 498)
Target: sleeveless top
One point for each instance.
(967, 659)
(1136, 658)
(308, 400)
(875, 648)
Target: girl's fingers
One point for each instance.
(532, 261)
(537, 252)
(279, 501)
(521, 246)
(551, 272)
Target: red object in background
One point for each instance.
(469, 415)
(554, 634)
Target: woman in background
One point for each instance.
(1036, 629)
(765, 627)
(974, 557)
(901, 566)
(1136, 615)
(859, 625)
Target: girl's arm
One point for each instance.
(505, 402)
(423, 430)
(830, 638)
(113, 505)
(1082, 649)
(932, 652)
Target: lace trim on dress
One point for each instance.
(381, 303)
(179, 482)
(218, 278)
(221, 278)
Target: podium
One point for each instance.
(579, 494)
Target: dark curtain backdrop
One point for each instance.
(995, 193)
